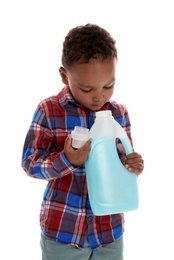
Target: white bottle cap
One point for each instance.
(79, 136)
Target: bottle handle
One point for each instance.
(127, 145)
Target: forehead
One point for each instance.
(95, 71)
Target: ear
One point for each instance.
(63, 75)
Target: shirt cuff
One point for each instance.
(62, 165)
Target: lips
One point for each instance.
(97, 105)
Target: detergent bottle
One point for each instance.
(112, 188)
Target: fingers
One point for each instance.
(86, 146)
(134, 163)
(76, 156)
(135, 168)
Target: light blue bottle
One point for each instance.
(111, 187)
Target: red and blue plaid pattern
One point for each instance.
(66, 214)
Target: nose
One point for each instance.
(98, 96)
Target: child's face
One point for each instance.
(92, 83)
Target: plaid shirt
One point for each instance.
(66, 215)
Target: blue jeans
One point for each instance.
(52, 250)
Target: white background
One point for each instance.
(31, 36)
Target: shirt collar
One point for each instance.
(65, 96)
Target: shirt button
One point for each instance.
(89, 218)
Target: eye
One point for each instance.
(109, 87)
(85, 90)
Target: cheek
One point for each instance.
(109, 94)
(82, 98)
(86, 98)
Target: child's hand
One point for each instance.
(133, 162)
(76, 156)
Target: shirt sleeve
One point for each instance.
(39, 158)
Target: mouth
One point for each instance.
(97, 105)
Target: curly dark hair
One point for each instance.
(86, 42)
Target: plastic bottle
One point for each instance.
(112, 188)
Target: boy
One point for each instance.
(69, 230)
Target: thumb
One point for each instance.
(121, 148)
(68, 141)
